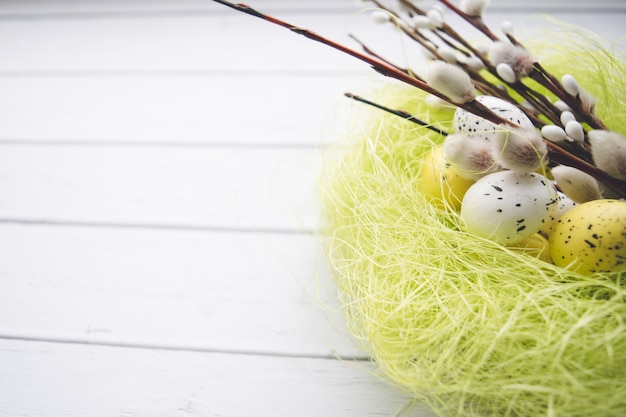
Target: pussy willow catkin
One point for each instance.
(464, 324)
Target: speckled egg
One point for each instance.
(508, 207)
(536, 245)
(564, 204)
(466, 122)
(591, 238)
(440, 182)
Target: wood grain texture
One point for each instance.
(220, 188)
(180, 289)
(232, 42)
(14, 8)
(214, 108)
(78, 380)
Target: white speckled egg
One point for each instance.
(591, 238)
(508, 207)
(564, 204)
(466, 122)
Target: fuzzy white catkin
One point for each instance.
(475, 63)
(570, 85)
(438, 7)
(506, 27)
(473, 7)
(609, 152)
(553, 133)
(450, 81)
(521, 150)
(561, 105)
(515, 56)
(575, 184)
(588, 101)
(472, 157)
(483, 48)
(471, 61)
(422, 22)
(436, 17)
(575, 131)
(448, 54)
(380, 17)
(505, 72)
(567, 116)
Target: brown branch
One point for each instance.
(557, 153)
(371, 52)
(385, 69)
(448, 30)
(561, 156)
(400, 113)
(475, 21)
(413, 33)
(553, 84)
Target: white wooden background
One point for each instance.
(158, 164)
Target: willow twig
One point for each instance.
(557, 153)
(387, 70)
(400, 113)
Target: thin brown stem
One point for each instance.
(400, 113)
(371, 52)
(412, 7)
(513, 40)
(527, 94)
(447, 29)
(553, 84)
(557, 153)
(486, 87)
(413, 33)
(379, 66)
(447, 41)
(475, 21)
(561, 156)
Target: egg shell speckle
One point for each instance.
(564, 204)
(466, 122)
(508, 207)
(591, 238)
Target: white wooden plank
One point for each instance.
(218, 291)
(223, 188)
(15, 8)
(38, 7)
(55, 380)
(226, 42)
(225, 109)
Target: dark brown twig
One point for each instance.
(371, 52)
(385, 69)
(557, 153)
(400, 113)
(553, 84)
(475, 21)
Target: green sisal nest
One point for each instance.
(468, 326)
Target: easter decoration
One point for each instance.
(476, 220)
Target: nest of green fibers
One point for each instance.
(463, 324)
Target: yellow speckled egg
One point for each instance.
(440, 182)
(591, 238)
(536, 245)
